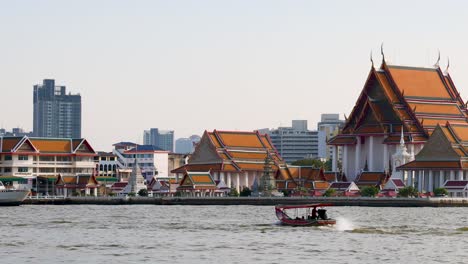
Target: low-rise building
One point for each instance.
(39, 161)
(152, 160)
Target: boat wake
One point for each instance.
(344, 224)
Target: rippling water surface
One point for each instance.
(228, 234)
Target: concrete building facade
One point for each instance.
(56, 113)
(295, 142)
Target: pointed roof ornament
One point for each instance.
(448, 65)
(372, 60)
(381, 52)
(438, 60)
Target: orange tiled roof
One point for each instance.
(214, 140)
(434, 108)
(202, 179)
(419, 82)
(251, 166)
(321, 185)
(9, 143)
(240, 139)
(198, 167)
(266, 142)
(248, 155)
(229, 167)
(342, 140)
(419, 98)
(235, 151)
(52, 145)
(371, 176)
(461, 132)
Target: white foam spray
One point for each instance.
(344, 224)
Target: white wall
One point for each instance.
(161, 163)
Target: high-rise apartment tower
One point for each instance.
(56, 114)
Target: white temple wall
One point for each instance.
(348, 168)
(378, 154)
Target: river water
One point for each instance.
(228, 234)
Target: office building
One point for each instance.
(330, 125)
(163, 139)
(56, 113)
(295, 142)
(186, 145)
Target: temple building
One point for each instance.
(444, 159)
(233, 157)
(401, 105)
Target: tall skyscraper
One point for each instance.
(56, 114)
(163, 139)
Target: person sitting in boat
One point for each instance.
(322, 213)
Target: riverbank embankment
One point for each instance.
(337, 201)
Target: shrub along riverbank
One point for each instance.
(337, 201)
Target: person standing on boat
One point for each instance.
(314, 213)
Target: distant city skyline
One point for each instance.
(195, 66)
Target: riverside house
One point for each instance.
(37, 162)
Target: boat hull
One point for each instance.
(12, 197)
(300, 222)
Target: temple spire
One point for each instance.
(402, 138)
(371, 59)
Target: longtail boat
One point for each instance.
(304, 215)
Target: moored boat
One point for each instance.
(12, 196)
(304, 215)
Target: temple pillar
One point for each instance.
(221, 177)
(357, 159)
(344, 164)
(371, 154)
(420, 178)
(334, 158)
(460, 175)
(246, 179)
(65, 192)
(385, 158)
(409, 179)
(441, 178)
(238, 182)
(452, 175)
(95, 192)
(431, 181)
(228, 183)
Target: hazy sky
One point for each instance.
(192, 66)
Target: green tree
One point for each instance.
(369, 191)
(131, 194)
(245, 191)
(143, 192)
(233, 192)
(440, 192)
(309, 162)
(408, 191)
(329, 193)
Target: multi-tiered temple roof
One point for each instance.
(232, 151)
(417, 98)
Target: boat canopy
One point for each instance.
(295, 206)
